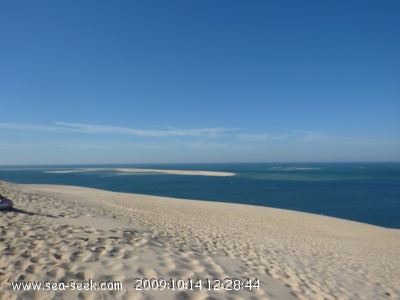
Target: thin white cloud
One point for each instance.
(262, 137)
(33, 127)
(298, 136)
(107, 129)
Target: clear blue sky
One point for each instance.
(199, 81)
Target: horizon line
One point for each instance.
(204, 163)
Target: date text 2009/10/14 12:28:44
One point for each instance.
(228, 284)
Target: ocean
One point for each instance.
(363, 192)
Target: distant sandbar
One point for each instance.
(134, 170)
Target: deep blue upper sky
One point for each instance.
(199, 81)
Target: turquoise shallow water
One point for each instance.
(364, 192)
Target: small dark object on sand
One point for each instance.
(5, 203)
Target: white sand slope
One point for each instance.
(66, 233)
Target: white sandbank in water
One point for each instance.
(65, 233)
(135, 170)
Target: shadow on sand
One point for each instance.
(21, 211)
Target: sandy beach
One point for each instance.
(65, 235)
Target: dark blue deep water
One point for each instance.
(364, 192)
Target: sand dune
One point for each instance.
(61, 233)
